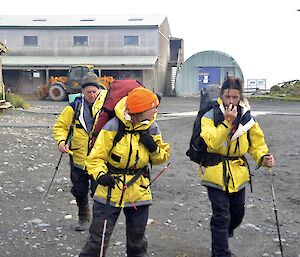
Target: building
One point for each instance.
(136, 47)
(204, 68)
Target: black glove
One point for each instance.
(148, 141)
(106, 180)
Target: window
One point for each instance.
(80, 40)
(30, 40)
(131, 40)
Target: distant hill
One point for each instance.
(289, 89)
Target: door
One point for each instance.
(26, 87)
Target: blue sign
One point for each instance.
(209, 75)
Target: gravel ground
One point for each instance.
(32, 225)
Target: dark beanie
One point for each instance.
(91, 79)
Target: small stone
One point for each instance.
(36, 221)
(68, 217)
(73, 202)
(276, 240)
(150, 221)
(43, 225)
(40, 189)
(117, 243)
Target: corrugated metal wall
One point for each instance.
(205, 68)
(102, 42)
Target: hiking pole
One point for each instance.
(56, 169)
(158, 174)
(105, 221)
(275, 210)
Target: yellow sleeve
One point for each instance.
(213, 136)
(162, 152)
(62, 125)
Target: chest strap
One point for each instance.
(117, 171)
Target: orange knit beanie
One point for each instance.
(141, 99)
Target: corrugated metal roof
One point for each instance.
(48, 61)
(187, 80)
(81, 20)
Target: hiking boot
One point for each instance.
(83, 218)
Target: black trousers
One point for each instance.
(228, 212)
(136, 221)
(81, 184)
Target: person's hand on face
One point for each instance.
(230, 113)
(231, 99)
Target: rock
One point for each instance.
(117, 243)
(40, 189)
(150, 221)
(36, 221)
(73, 202)
(43, 225)
(68, 217)
(248, 225)
(276, 240)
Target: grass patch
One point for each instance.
(16, 101)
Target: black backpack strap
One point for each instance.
(76, 108)
(120, 133)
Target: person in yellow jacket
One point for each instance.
(121, 169)
(230, 132)
(77, 121)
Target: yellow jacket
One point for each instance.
(80, 139)
(127, 153)
(219, 140)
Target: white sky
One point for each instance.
(261, 35)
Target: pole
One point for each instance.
(105, 221)
(275, 210)
(158, 174)
(56, 168)
(68, 139)
(156, 177)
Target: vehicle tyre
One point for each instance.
(57, 92)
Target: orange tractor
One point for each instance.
(60, 87)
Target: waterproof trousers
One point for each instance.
(136, 221)
(81, 185)
(227, 214)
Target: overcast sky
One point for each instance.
(261, 35)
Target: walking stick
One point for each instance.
(56, 168)
(158, 174)
(68, 139)
(105, 221)
(275, 209)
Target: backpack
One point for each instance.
(117, 90)
(197, 149)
